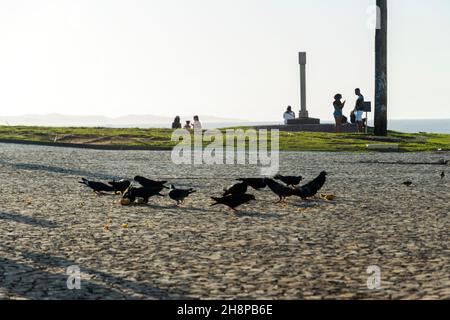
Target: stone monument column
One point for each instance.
(302, 61)
(303, 115)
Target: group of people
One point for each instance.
(356, 116)
(196, 124)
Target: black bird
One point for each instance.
(132, 193)
(120, 186)
(442, 175)
(280, 190)
(147, 183)
(255, 183)
(289, 180)
(408, 183)
(310, 189)
(240, 188)
(98, 187)
(180, 194)
(234, 201)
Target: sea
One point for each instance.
(407, 126)
(415, 126)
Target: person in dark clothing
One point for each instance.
(359, 110)
(176, 123)
(352, 117)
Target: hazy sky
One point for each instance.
(228, 58)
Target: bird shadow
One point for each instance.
(170, 207)
(312, 203)
(28, 220)
(179, 208)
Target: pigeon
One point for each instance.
(120, 186)
(280, 190)
(97, 187)
(234, 201)
(132, 193)
(255, 183)
(179, 194)
(290, 181)
(408, 183)
(310, 189)
(240, 188)
(442, 175)
(147, 183)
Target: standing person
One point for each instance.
(338, 115)
(359, 110)
(288, 115)
(176, 123)
(197, 124)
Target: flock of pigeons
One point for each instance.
(233, 197)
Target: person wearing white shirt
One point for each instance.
(288, 115)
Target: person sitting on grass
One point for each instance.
(197, 124)
(338, 115)
(188, 125)
(176, 123)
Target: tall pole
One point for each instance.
(302, 61)
(381, 88)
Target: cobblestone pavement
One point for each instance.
(301, 250)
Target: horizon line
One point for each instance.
(204, 115)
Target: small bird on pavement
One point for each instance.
(290, 181)
(280, 190)
(120, 186)
(179, 195)
(97, 187)
(132, 193)
(408, 183)
(147, 183)
(310, 189)
(240, 188)
(442, 175)
(255, 183)
(234, 201)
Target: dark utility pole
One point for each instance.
(381, 89)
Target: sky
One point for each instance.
(225, 58)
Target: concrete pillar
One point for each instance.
(303, 118)
(302, 61)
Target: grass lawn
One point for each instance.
(161, 138)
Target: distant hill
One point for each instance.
(61, 120)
